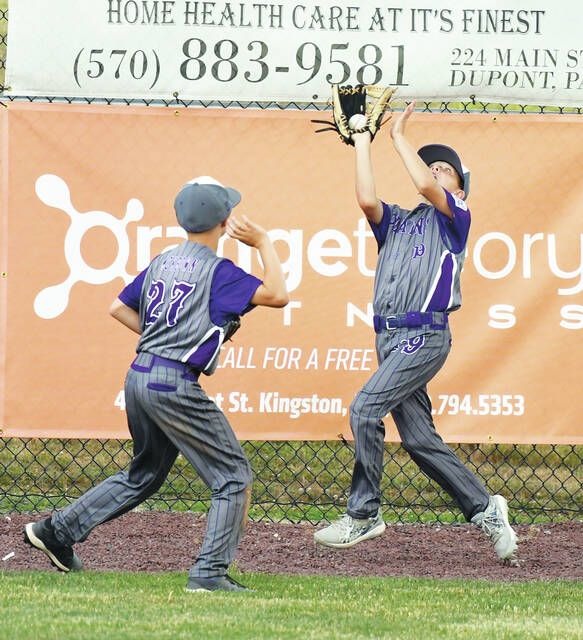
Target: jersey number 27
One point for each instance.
(157, 303)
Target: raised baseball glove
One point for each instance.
(370, 101)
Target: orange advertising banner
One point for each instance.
(87, 195)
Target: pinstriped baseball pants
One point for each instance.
(167, 415)
(409, 359)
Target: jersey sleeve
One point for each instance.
(454, 231)
(131, 294)
(381, 229)
(231, 291)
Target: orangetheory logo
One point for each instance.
(329, 253)
(54, 192)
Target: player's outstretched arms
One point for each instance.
(420, 173)
(366, 195)
(273, 292)
(126, 315)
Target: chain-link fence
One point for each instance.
(302, 480)
(297, 480)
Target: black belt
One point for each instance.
(411, 320)
(158, 361)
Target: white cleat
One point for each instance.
(348, 531)
(494, 523)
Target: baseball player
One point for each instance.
(417, 285)
(184, 305)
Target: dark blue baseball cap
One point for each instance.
(439, 152)
(203, 203)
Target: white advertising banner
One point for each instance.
(490, 51)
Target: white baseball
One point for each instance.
(357, 121)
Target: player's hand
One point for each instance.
(362, 138)
(246, 231)
(398, 124)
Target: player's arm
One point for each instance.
(126, 315)
(273, 292)
(366, 194)
(420, 173)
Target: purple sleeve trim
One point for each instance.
(381, 229)
(454, 231)
(231, 292)
(132, 293)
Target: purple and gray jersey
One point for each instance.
(421, 255)
(185, 298)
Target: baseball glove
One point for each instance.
(231, 328)
(369, 100)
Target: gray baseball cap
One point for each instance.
(203, 203)
(434, 152)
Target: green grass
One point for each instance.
(90, 605)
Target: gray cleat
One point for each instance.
(215, 583)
